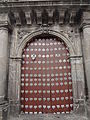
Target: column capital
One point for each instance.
(5, 22)
(85, 20)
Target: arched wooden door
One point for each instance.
(46, 84)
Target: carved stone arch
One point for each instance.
(50, 32)
(44, 17)
(19, 50)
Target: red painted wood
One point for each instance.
(46, 84)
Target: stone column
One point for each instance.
(3, 61)
(86, 47)
(86, 51)
(4, 52)
(86, 54)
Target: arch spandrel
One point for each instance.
(50, 32)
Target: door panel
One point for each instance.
(46, 84)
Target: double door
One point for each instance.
(46, 84)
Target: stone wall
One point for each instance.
(16, 31)
(19, 38)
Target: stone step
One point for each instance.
(49, 117)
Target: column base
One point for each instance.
(88, 109)
(4, 110)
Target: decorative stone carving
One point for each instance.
(17, 17)
(21, 34)
(28, 18)
(72, 17)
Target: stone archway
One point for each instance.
(16, 65)
(46, 83)
(29, 37)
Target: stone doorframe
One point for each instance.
(15, 68)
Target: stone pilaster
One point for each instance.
(4, 53)
(3, 61)
(86, 53)
(86, 47)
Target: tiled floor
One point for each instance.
(49, 117)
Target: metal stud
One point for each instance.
(23, 56)
(31, 84)
(53, 106)
(66, 91)
(70, 90)
(67, 106)
(57, 98)
(22, 68)
(61, 84)
(30, 106)
(44, 84)
(22, 91)
(39, 91)
(44, 106)
(22, 98)
(39, 84)
(70, 83)
(62, 106)
(48, 91)
(58, 106)
(53, 91)
(35, 91)
(26, 84)
(27, 68)
(22, 79)
(48, 84)
(26, 91)
(44, 99)
(57, 84)
(22, 84)
(52, 84)
(48, 107)
(51, 55)
(57, 91)
(65, 83)
(31, 99)
(62, 98)
(61, 91)
(22, 75)
(26, 106)
(35, 106)
(44, 91)
(71, 97)
(35, 112)
(27, 56)
(66, 98)
(52, 79)
(48, 99)
(39, 106)
(71, 105)
(35, 99)
(22, 106)
(61, 79)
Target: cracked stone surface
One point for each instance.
(49, 117)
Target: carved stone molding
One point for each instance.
(21, 34)
(38, 16)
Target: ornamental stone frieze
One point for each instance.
(41, 12)
(48, 16)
